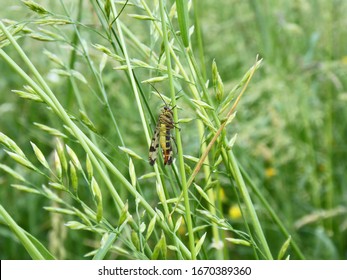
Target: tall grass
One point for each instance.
(76, 155)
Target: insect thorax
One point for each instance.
(166, 117)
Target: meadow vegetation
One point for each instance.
(258, 93)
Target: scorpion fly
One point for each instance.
(162, 135)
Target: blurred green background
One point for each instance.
(291, 123)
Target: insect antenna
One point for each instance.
(166, 103)
(159, 95)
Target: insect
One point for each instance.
(162, 135)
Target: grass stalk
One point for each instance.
(249, 206)
(131, 76)
(178, 134)
(20, 233)
(182, 15)
(272, 213)
(211, 192)
(199, 39)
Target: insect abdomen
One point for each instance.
(165, 143)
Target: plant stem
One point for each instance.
(178, 134)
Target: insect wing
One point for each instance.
(153, 149)
(162, 136)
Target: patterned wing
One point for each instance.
(153, 149)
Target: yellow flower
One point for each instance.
(235, 212)
(270, 172)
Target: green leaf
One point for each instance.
(199, 244)
(21, 160)
(135, 239)
(57, 165)
(284, 248)
(73, 157)
(130, 152)
(106, 246)
(61, 154)
(89, 168)
(40, 156)
(141, 17)
(27, 95)
(86, 120)
(50, 130)
(161, 247)
(36, 7)
(25, 188)
(178, 223)
(237, 241)
(9, 143)
(132, 173)
(73, 177)
(98, 199)
(200, 103)
(202, 193)
(182, 14)
(151, 226)
(12, 172)
(123, 214)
